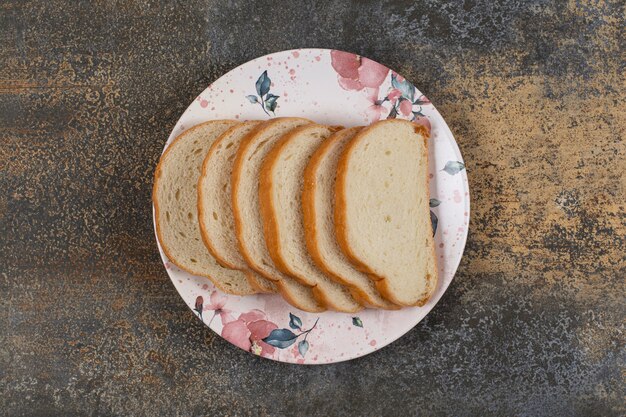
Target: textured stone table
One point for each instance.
(533, 323)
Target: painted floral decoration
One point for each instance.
(246, 332)
(265, 99)
(452, 168)
(251, 331)
(283, 338)
(355, 73)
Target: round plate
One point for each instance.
(336, 88)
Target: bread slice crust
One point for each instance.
(269, 214)
(225, 141)
(201, 190)
(382, 282)
(293, 292)
(364, 290)
(246, 289)
(260, 283)
(244, 149)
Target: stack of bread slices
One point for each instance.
(329, 218)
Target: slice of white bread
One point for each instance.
(246, 209)
(299, 295)
(280, 192)
(382, 218)
(215, 213)
(318, 204)
(259, 282)
(175, 204)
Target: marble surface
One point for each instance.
(533, 323)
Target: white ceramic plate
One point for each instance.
(336, 88)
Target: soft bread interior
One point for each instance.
(318, 210)
(215, 212)
(282, 180)
(175, 202)
(246, 209)
(382, 213)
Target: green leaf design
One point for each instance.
(434, 221)
(263, 84)
(357, 321)
(281, 338)
(252, 99)
(303, 347)
(406, 88)
(454, 167)
(270, 102)
(295, 322)
(434, 202)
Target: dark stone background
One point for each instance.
(533, 323)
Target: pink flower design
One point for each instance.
(259, 330)
(394, 95)
(355, 72)
(375, 111)
(252, 315)
(248, 332)
(406, 107)
(346, 64)
(217, 301)
(237, 333)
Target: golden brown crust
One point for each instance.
(270, 225)
(203, 173)
(258, 283)
(361, 297)
(335, 129)
(308, 203)
(366, 300)
(383, 287)
(236, 177)
(340, 216)
(311, 232)
(421, 130)
(284, 292)
(323, 298)
(155, 201)
(341, 231)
